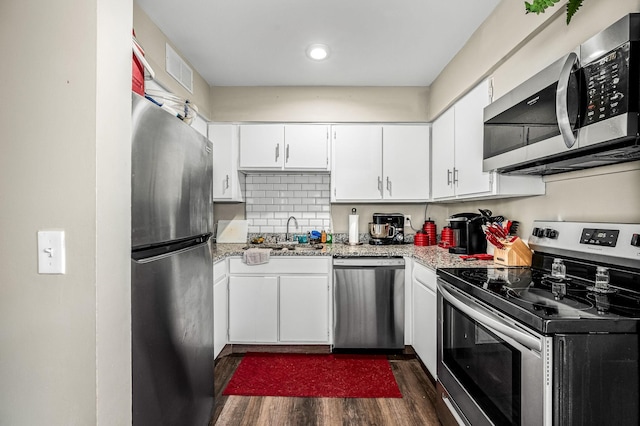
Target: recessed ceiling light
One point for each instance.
(318, 52)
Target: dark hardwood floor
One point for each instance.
(416, 407)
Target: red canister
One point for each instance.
(446, 238)
(429, 228)
(421, 239)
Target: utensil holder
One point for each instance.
(515, 253)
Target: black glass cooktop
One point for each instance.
(547, 304)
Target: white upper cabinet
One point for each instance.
(457, 155)
(356, 173)
(306, 146)
(405, 155)
(261, 146)
(284, 147)
(380, 163)
(443, 157)
(227, 181)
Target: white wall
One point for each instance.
(320, 104)
(65, 135)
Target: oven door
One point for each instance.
(495, 371)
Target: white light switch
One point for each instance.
(51, 252)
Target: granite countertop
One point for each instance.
(429, 256)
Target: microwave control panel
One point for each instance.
(607, 81)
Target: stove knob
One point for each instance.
(538, 232)
(551, 233)
(635, 240)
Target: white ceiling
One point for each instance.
(372, 42)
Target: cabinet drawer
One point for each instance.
(425, 276)
(285, 265)
(219, 270)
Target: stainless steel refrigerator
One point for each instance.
(171, 270)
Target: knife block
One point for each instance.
(516, 253)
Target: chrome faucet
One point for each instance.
(286, 237)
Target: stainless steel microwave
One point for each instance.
(581, 111)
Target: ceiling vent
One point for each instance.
(178, 69)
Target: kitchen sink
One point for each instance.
(286, 246)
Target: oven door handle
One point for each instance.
(490, 320)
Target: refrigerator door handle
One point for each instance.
(160, 251)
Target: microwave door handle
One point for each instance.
(489, 320)
(562, 109)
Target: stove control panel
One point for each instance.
(600, 237)
(614, 243)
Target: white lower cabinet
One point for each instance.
(253, 309)
(304, 309)
(283, 301)
(220, 306)
(425, 316)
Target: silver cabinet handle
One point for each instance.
(380, 184)
(286, 154)
(388, 185)
(488, 319)
(455, 176)
(448, 177)
(562, 110)
(277, 151)
(227, 182)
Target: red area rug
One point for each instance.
(314, 376)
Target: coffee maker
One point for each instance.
(387, 228)
(468, 237)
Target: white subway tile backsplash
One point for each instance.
(272, 198)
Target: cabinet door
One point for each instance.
(469, 135)
(306, 147)
(356, 172)
(425, 321)
(304, 309)
(220, 312)
(226, 185)
(442, 155)
(253, 309)
(406, 163)
(261, 146)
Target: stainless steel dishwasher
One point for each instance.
(369, 303)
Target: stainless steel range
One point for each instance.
(556, 343)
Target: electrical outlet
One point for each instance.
(407, 219)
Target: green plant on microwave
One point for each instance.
(539, 6)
